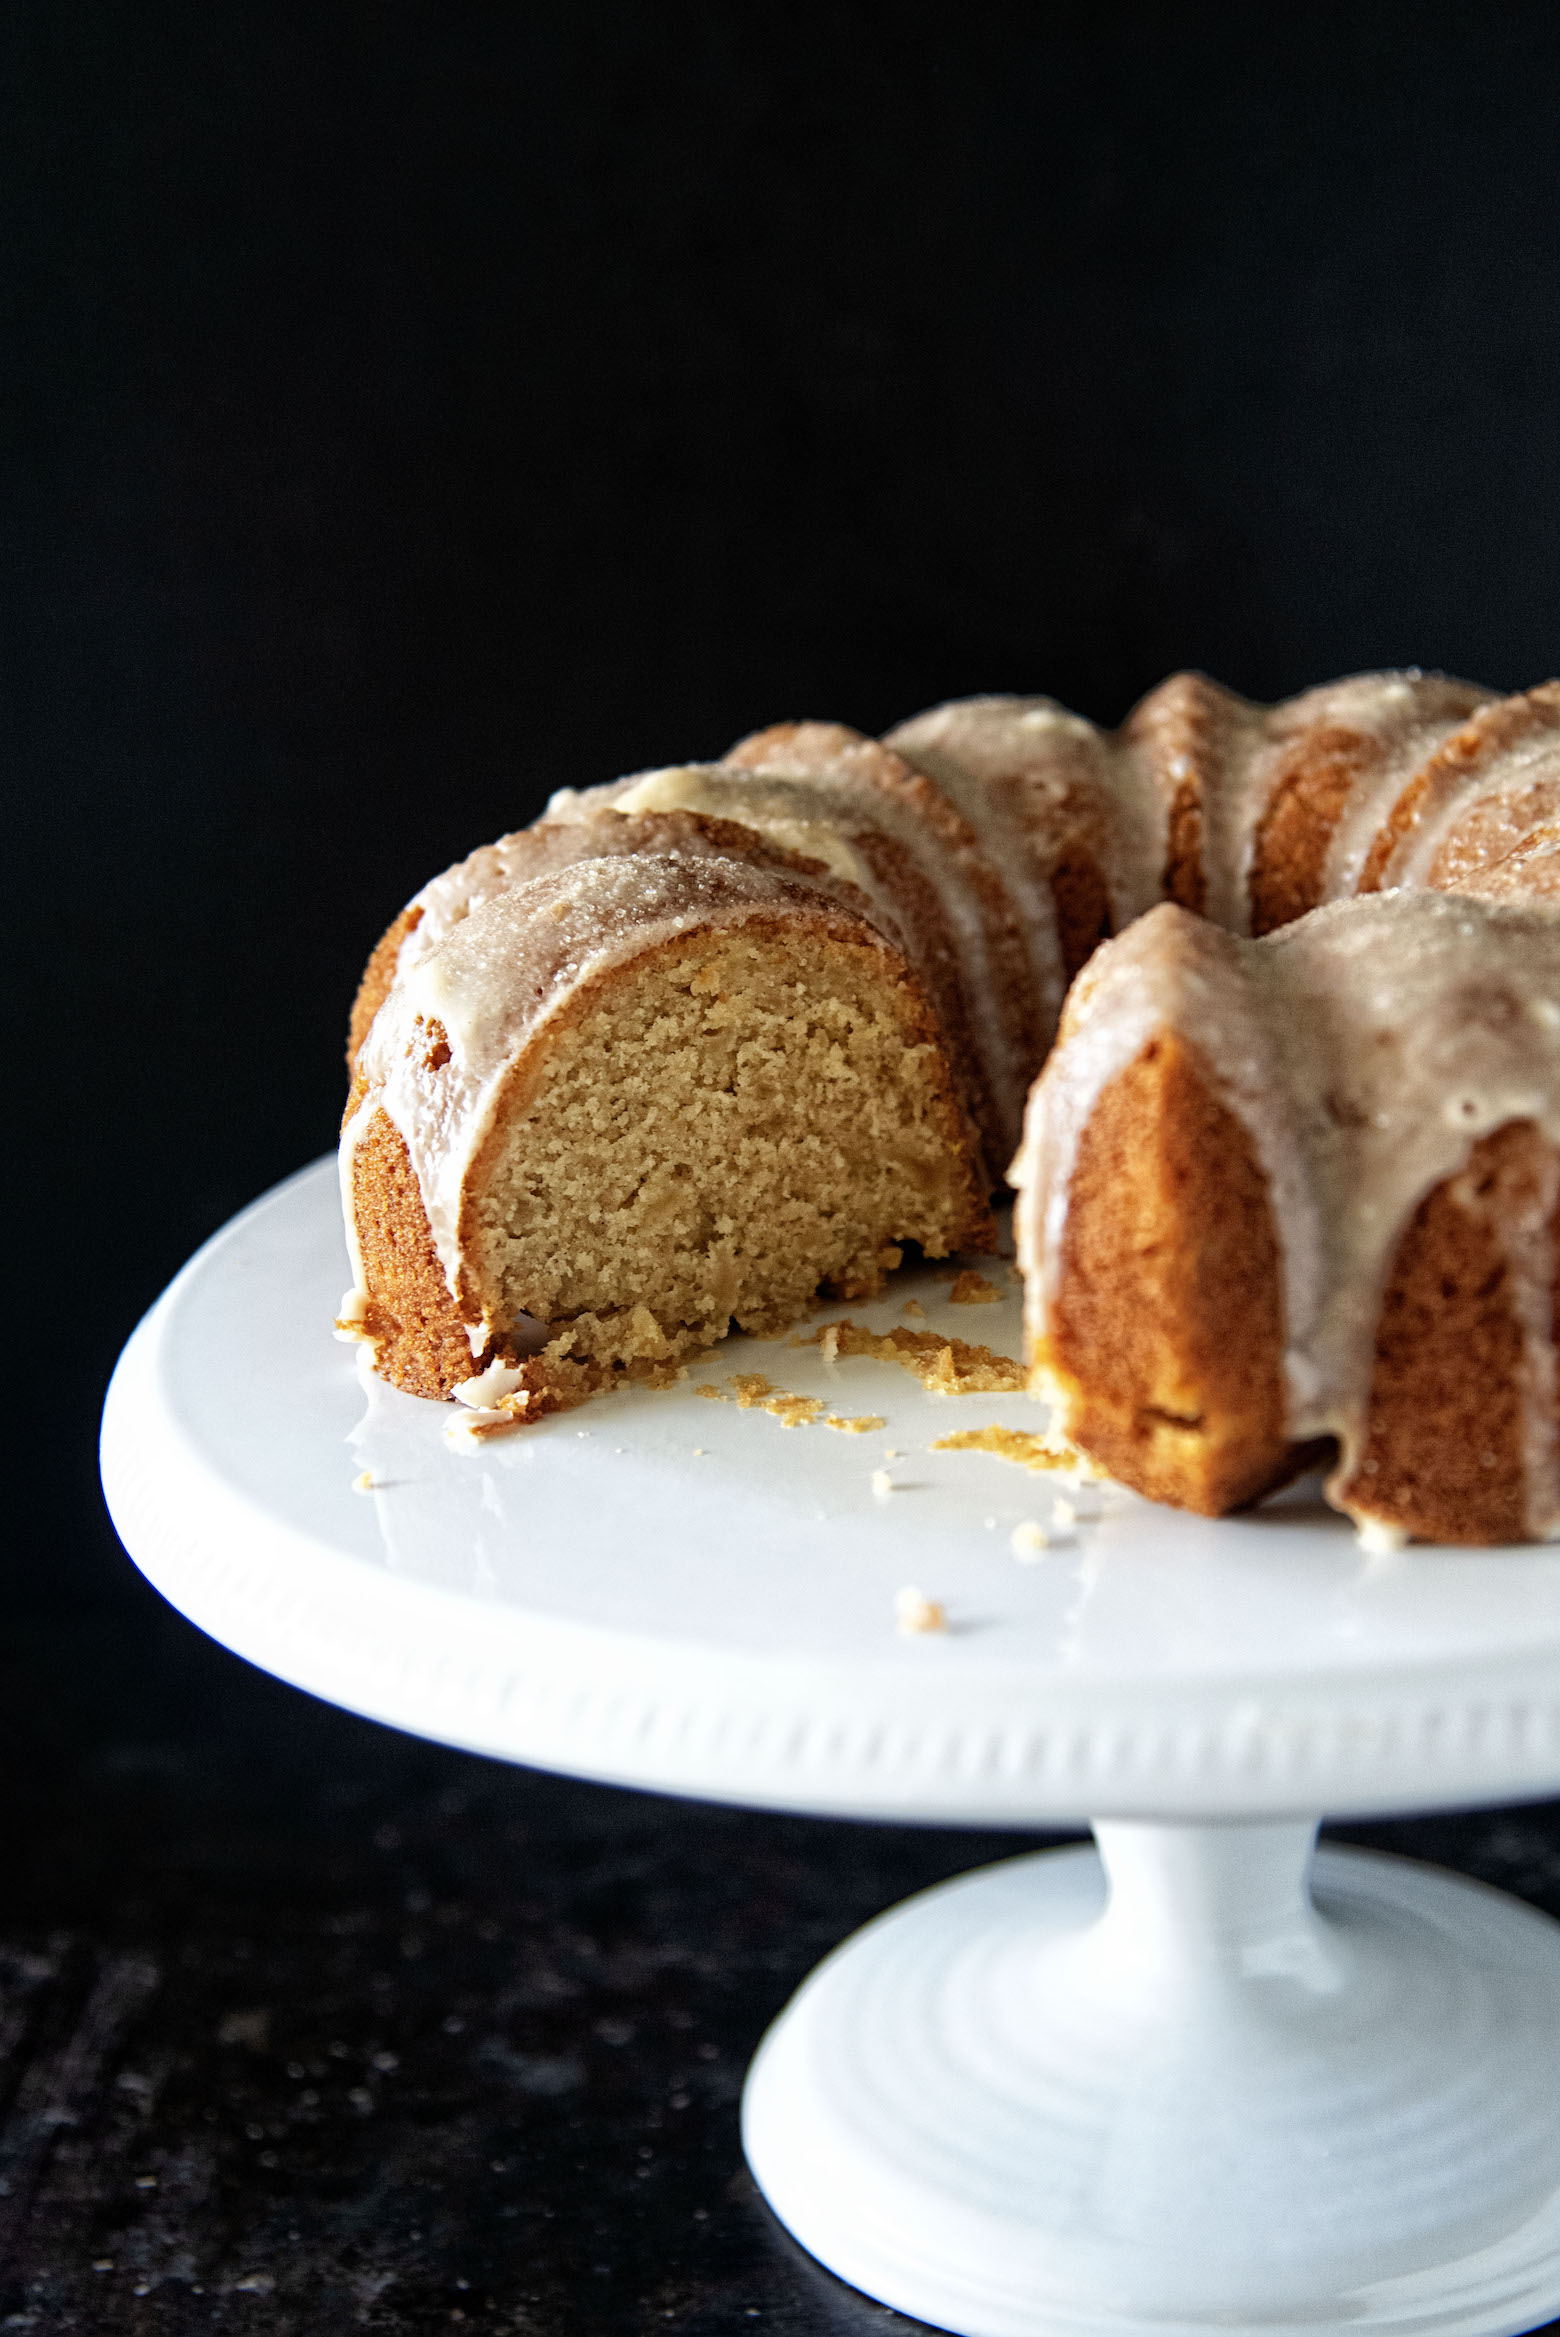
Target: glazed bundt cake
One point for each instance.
(703, 1042)
(1286, 1195)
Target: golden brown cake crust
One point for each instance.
(1311, 790)
(1167, 1332)
(1490, 733)
(1443, 1454)
(1184, 731)
(421, 1343)
(1083, 916)
(378, 975)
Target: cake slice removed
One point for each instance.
(633, 1104)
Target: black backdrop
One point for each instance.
(415, 409)
(408, 410)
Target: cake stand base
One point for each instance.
(1199, 2093)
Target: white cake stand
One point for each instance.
(1183, 2091)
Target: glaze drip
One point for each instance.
(1365, 1051)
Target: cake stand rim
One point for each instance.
(829, 1735)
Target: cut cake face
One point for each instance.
(695, 1122)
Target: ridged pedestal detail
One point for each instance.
(1206, 2096)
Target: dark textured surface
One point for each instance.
(307, 2026)
(312, 2026)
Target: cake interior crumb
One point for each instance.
(972, 1289)
(862, 1425)
(721, 1065)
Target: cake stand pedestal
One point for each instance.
(1181, 2092)
(1199, 2080)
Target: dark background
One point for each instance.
(408, 410)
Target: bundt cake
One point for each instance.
(703, 1042)
(1282, 1195)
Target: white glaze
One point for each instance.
(1519, 787)
(1006, 763)
(1413, 715)
(780, 810)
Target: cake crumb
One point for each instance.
(1380, 1538)
(363, 1482)
(915, 1612)
(947, 1367)
(793, 1411)
(755, 1394)
(882, 1484)
(891, 1452)
(972, 1289)
(1019, 1445)
(913, 1306)
(699, 1451)
(860, 1426)
(828, 1343)
(1029, 1541)
(1063, 1514)
(705, 1388)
